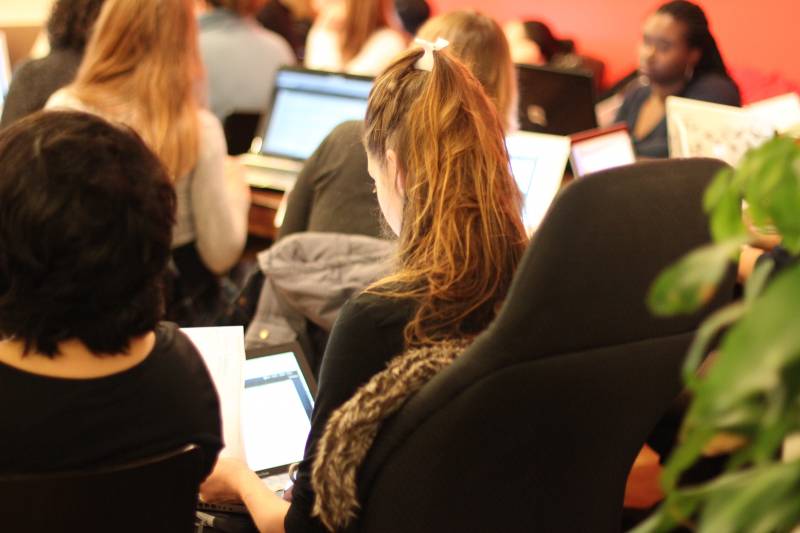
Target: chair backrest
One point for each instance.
(536, 426)
(156, 495)
(240, 128)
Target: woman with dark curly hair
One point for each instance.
(89, 376)
(68, 31)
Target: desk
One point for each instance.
(264, 204)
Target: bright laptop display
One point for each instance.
(555, 101)
(704, 129)
(5, 69)
(601, 148)
(276, 408)
(306, 106)
(537, 163)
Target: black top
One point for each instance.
(34, 81)
(59, 424)
(334, 192)
(367, 334)
(710, 88)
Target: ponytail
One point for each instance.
(462, 234)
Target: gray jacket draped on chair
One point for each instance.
(309, 276)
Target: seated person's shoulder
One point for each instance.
(376, 310)
(714, 88)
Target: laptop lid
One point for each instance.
(601, 148)
(277, 404)
(5, 68)
(560, 102)
(537, 162)
(782, 112)
(704, 129)
(306, 105)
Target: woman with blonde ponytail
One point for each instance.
(436, 152)
(142, 69)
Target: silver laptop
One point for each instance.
(306, 105)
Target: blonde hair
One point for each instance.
(478, 41)
(362, 19)
(462, 233)
(140, 68)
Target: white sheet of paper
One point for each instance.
(222, 349)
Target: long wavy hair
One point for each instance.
(140, 68)
(462, 233)
(362, 19)
(478, 41)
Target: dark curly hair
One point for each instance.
(71, 21)
(85, 233)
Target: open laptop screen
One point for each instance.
(277, 404)
(537, 162)
(5, 69)
(306, 106)
(602, 148)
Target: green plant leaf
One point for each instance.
(706, 333)
(755, 284)
(685, 286)
(723, 202)
(772, 177)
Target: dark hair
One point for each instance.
(71, 21)
(548, 44)
(85, 233)
(698, 35)
(412, 13)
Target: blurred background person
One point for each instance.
(142, 69)
(678, 56)
(34, 81)
(241, 58)
(354, 36)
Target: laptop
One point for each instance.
(306, 105)
(5, 69)
(275, 418)
(537, 162)
(704, 129)
(601, 148)
(277, 403)
(782, 111)
(559, 102)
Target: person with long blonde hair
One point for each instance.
(142, 68)
(354, 36)
(436, 151)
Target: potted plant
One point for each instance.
(751, 391)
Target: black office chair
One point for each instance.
(154, 495)
(536, 426)
(240, 128)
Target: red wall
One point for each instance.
(762, 34)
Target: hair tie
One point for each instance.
(426, 61)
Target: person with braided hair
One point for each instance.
(678, 56)
(436, 152)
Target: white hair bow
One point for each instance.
(426, 61)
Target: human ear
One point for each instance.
(393, 171)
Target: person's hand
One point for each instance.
(226, 481)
